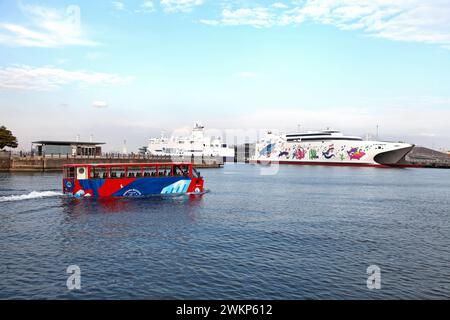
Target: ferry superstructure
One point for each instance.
(328, 147)
(197, 144)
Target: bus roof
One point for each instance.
(76, 165)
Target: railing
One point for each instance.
(119, 157)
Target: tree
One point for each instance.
(7, 139)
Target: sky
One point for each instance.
(126, 70)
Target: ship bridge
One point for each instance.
(322, 135)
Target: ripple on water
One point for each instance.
(303, 233)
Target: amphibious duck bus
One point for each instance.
(131, 180)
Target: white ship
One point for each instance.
(328, 147)
(196, 144)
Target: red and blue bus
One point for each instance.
(131, 180)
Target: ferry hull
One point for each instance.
(393, 157)
(317, 163)
(132, 187)
(333, 153)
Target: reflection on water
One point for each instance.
(76, 206)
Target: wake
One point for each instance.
(31, 195)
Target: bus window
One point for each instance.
(185, 169)
(149, 171)
(196, 173)
(177, 171)
(69, 172)
(117, 172)
(181, 170)
(134, 172)
(99, 173)
(164, 171)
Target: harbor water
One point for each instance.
(296, 232)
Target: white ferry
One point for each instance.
(196, 144)
(328, 147)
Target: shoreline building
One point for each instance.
(70, 148)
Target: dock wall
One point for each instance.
(56, 162)
(5, 161)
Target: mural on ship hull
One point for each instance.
(314, 152)
(330, 152)
(355, 153)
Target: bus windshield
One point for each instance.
(196, 173)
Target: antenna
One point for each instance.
(377, 132)
(298, 127)
(91, 138)
(124, 150)
(78, 138)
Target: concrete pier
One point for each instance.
(428, 158)
(47, 163)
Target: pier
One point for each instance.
(55, 162)
(427, 158)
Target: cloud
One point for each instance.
(357, 120)
(50, 78)
(118, 5)
(180, 5)
(148, 6)
(256, 17)
(401, 20)
(46, 27)
(99, 104)
(280, 5)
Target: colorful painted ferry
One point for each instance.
(329, 147)
(131, 180)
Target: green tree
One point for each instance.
(7, 139)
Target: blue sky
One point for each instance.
(128, 69)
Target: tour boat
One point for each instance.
(131, 180)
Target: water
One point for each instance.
(306, 232)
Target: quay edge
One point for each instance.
(55, 164)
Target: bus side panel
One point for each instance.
(151, 186)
